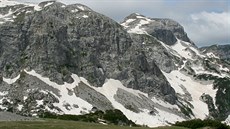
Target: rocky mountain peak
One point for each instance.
(70, 59)
(133, 16)
(79, 7)
(165, 30)
(219, 51)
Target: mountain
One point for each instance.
(196, 77)
(221, 51)
(69, 59)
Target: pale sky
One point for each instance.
(206, 22)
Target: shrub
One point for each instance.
(111, 116)
(198, 123)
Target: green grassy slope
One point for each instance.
(61, 124)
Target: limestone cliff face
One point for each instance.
(70, 59)
(58, 40)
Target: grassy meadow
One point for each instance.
(62, 124)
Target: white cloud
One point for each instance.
(209, 28)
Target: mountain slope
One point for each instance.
(68, 59)
(221, 51)
(196, 77)
(54, 56)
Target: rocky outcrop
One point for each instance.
(222, 51)
(165, 30)
(69, 59)
(156, 52)
(93, 97)
(57, 40)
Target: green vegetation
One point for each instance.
(110, 116)
(61, 124)
(197, 123)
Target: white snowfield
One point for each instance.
(126, 23)
(138, 29)
(74, 10)
(11, 81)
(109, 89)
(10, 17)
(48, 4)
(227, 121)
(85, 16)
(196, 89)
(81, 8)
(65, 98)
(185, 49)
(181, 83)
(6, 17)
(212, 55)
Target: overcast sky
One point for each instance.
(206, 21)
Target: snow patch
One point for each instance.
(3, 93)
(28, 12)
(20, 107)
(212, 55)
(182, 50)
(85, 16)
(65, 97)
(127, 22)
(200, 110)
(199, 69)
(109, 89)
(137, 29)
(227, 121)
(39, 102)
(145, 18)
(11, 81)
(81, 8)
(74, 10)
(140, 17)
(7, 17)
(37, 8)
(48, 4)
(224, 68)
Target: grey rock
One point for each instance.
(223, 51)
(154, 51)
(56, 42)
(92, 96)
(165, 30)
(209, 101)
(132, 102)
(63, 39)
